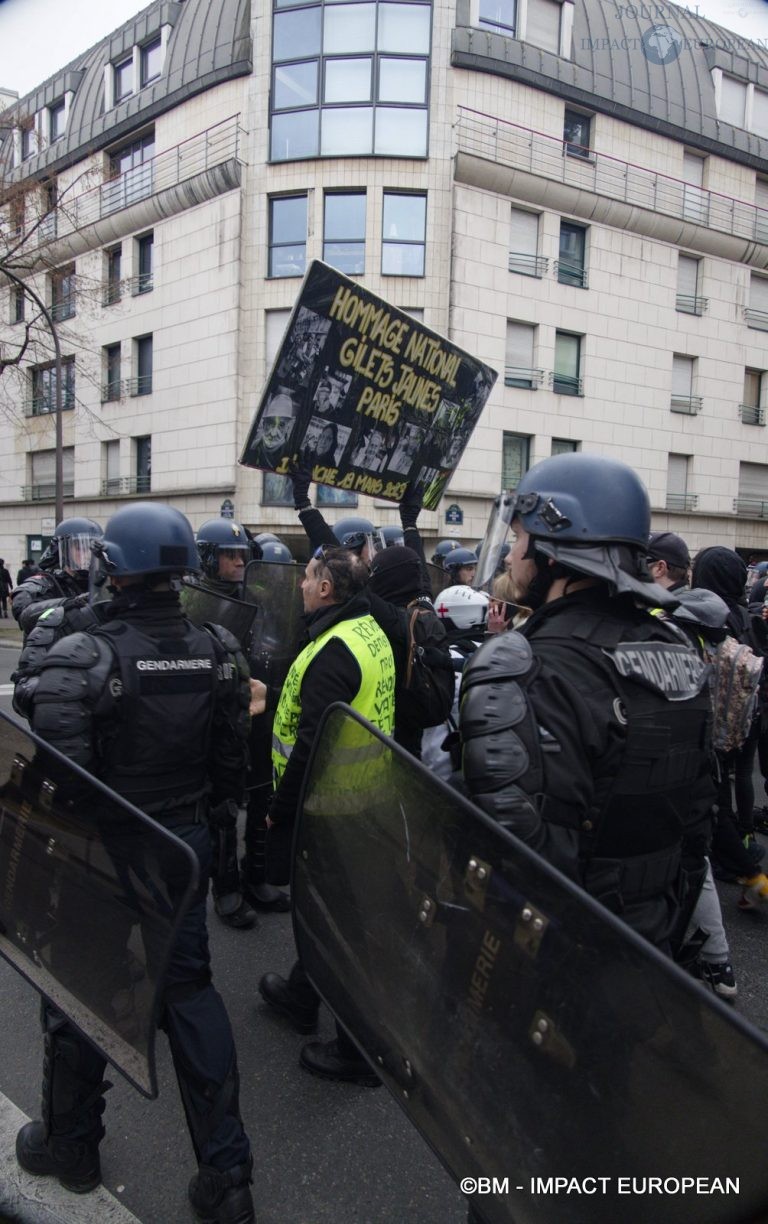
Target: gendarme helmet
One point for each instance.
(355, 532)
(458, 558)
(220, 534)
(275, 551)
(391, 536)
(444, 547)
(147, 538)
(70, 547)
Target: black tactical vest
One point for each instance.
(154, 743)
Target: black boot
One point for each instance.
(229, 902)
(223, 1197)
(257, 892)
(338, 1060)
(65, 1143)
(295, 998)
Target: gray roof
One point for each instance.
(610, 70)
(210, 43)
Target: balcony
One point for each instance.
(520, 376)
(523, 149)
(756, 319)
(142, 385)
(566, 384)
(46, 492)
(689, 303)
(527, 265)
(63, 310)
(682, 501)
(570, 273)
(122, 485)
(751, 415)
(44, 405)
(689, 405)
(751, 507)
(211, 158)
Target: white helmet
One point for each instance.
(462, 607)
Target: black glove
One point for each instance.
(278, 852)
(301, 479)
(410, 506)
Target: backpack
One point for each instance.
(733, 686)
(428, 684)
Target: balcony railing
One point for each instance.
(751, 507)
(689, 303)
(138, 386)
(570, 273)
(46, 492)
(121, 485)
(527, 265)
(757, 319)
(682, 501)
(521, 376)
(203, 152)
(510, 144)
(689, 405)
(63, 310)
(44, 405)
(566, 384)
(751, 415)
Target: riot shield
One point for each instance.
(534, 1040)
(439, 579)
(91, 895)
(204, 607)
(276, 590)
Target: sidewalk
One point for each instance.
(10, 634)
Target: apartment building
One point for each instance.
(575, 193)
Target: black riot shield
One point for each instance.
(562, 1069)
(204, 607)
(276, 590)
(91, 894)
(439, 579)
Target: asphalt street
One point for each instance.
(323, 1152)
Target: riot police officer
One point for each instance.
(587, 731)
(157, 709)
(63, 571)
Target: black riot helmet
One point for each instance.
(220, 534)
(590, 515)
(145, 538)
(70, 547)
(442, 549)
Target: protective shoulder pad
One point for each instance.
(507, 656)
(76, 666)
(223, 637)
(230, 658)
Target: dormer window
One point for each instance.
(151, 61)
(28, 142)
(57, 119)
(123, 78)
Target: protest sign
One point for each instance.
(365, 395)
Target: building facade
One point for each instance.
(573, 193)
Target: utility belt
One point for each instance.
(183, 816)
(616, 882)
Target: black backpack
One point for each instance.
(428, 685)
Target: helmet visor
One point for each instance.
(98, 577)
(496, 534)
(75, 553)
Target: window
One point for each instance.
(344, 232)
(683, 371)
(403, 235)
(56, 120)
(498, 15)
(144, 257)
(678, 497)
(752, 500)
(687, 300)
(518, 357)
(276, 490)
(28, 142)
(18, 304)
(756, 313)
(150, 61)
(111, 371)
(143, 460)
(131, 174)
(123, 79)
(349, 79)
(524, 244)
(761, 210)
(110, 466)
(760, 113)
(44, 387)
(695, 200)
(563, 446)
(752, 407)
(733, 101)
(571, 269)
(542, 27)
(288, 236)
(42, 474)
(515, 459)
(16, 215)
(113, 288)
(63, 293)
(275, 325)
(142, 357)
(49, 203)
(566, 376)
(577, 131)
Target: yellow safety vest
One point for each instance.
(374, 699)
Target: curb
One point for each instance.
(41, 1200)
